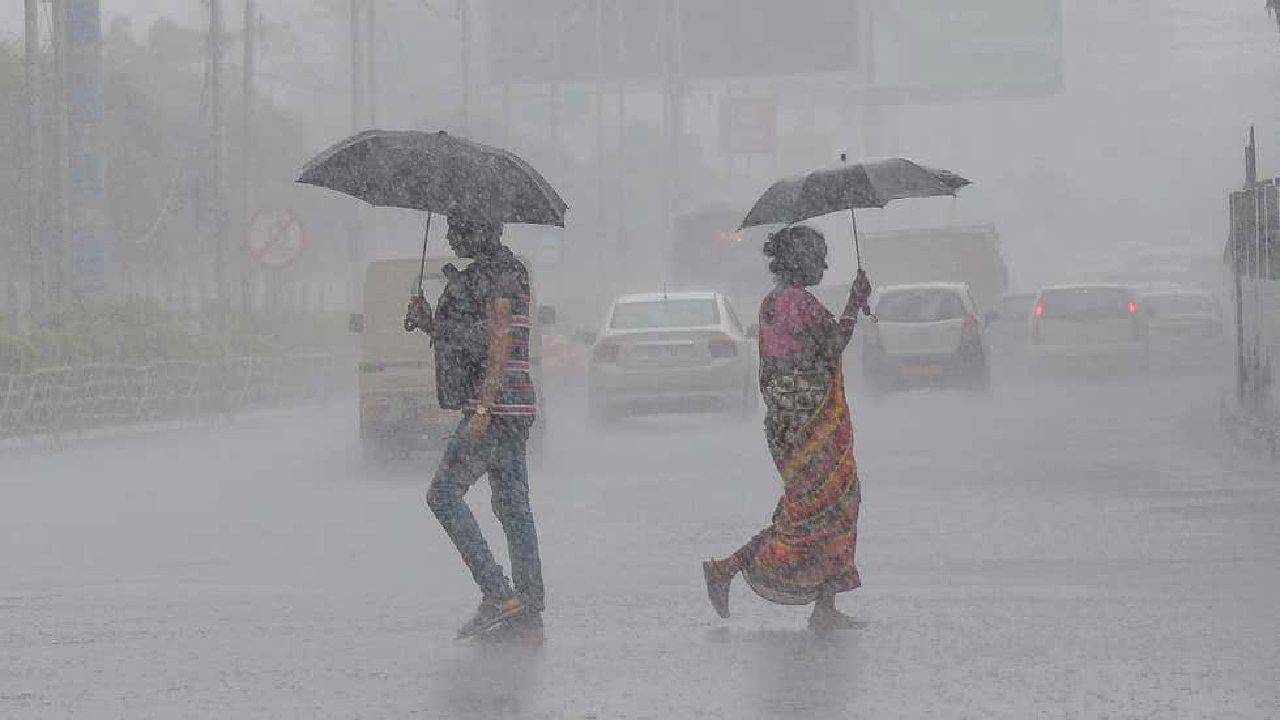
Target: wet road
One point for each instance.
(1054, 551)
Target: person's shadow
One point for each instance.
(485, 680)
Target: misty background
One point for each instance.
(1119, 151)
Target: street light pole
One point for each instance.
(246, 144)
(464, 15)
(34, 168)
(216, 140)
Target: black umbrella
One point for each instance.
(850, 186)
(439, 173)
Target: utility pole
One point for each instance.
(620, 237)
(34, 168)
(601, 176)
(464, 15)
(216, 149)
(357, 97)
(246, 145)
(673, 104)
(59, 269)
(356, 224)
(371, 57)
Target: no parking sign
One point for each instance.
(276, 237)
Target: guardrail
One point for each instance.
(65, 401)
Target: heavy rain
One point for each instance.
(596, 359)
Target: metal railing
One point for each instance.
(65, 401)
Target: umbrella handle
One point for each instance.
(857, 247)
(422, 269)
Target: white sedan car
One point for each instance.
(662, 352)
(1092, 329)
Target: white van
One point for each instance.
(399, 412)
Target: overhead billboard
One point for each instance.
(940, 49)
(578, 40)
(914, 49)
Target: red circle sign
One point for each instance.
(276, 237)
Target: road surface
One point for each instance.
(1068, 550)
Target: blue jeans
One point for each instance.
(501, 455)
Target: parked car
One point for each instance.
(1094, 329)
(661, 352)
(1185, 328)
(926, 334)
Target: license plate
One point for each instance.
(921, 370)
(666, 352)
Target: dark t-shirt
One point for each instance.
(462, 335)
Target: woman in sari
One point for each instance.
(806, 555)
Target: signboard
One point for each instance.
(579, 40)
(1254, 246)
(965, 49)
(276, 237)
(920, 50)
(748, 125)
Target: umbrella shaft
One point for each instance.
(857, 248)
(422, 269)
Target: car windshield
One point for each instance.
(1179, 305)
(1085, 303)
(920, 306)
(665, 314)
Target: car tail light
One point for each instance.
(605, 352)
(1035, 323)
(722, 346)
(1133, 308)
(1039, 310)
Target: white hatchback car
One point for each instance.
(661, 352)
(926, 334)
(1087, 329)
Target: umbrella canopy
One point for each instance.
(849, 186)
(439, 173)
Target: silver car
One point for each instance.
(663, 352)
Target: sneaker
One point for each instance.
(717, 587)
(522, 629)
(489, 614)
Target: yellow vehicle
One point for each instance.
(399, 411)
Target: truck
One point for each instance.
(967, 253)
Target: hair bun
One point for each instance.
(771, 245)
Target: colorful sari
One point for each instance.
(809, 548)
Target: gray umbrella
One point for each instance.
(439, 173)
(850, 186)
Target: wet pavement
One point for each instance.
(1064, 550)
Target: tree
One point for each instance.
(1274, 7)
